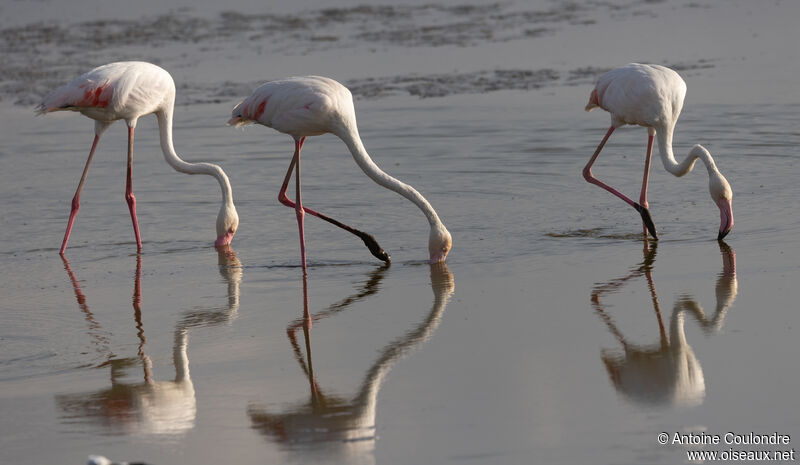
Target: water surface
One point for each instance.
(554, 334)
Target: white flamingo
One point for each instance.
(652, 96)
(314, 105)
(129, 90)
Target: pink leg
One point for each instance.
(646, 177)
(76, 200)
(369, 239)
(587, 174)
(299, 212)
(282, 194)
(587, 171)
(129, 197)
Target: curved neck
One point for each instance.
(368, 395)
(664, 136)
(179, 357)
(677, 335)
(165, 130)
(349, 134)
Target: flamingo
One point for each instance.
(315, 105)
(652, 96)
(129, 90)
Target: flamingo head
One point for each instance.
(722, 195)
(718, 187)
(439, 243)
(227, 224)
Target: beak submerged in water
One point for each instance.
(439, 244)
(438, 258)
(726, 218)
(224, 239)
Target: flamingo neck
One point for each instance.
(179, 356)
(664, 136)
(349, 134)
(165, 129)
(373, 380)
(677, 335)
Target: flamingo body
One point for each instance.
(299, 107)
(315, 105)
(644, 95)
(128, 91)
(123, 90)
(652, 96)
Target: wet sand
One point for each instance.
(554, 334)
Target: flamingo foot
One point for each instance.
(373, 246)
(647, 219)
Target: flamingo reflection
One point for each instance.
(340, 426)
(667, 373)
(150, 406)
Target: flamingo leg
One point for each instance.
(299, 212)
(76, 200)
(646, 176)
(282, 198)
(587, 174)
(129, 197)
(369, 240)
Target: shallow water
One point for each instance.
(554, 334)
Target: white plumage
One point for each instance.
(652, 96)
(314, 105)
(129, 90)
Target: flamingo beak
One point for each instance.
(438, 257)
(726, 218)
(224, 239)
